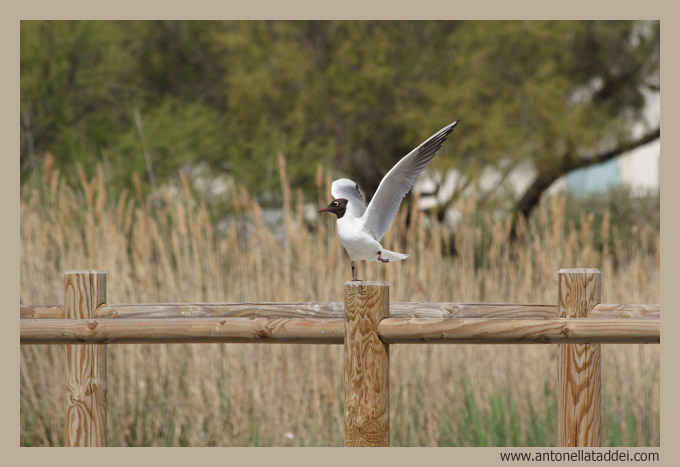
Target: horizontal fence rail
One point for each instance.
(331, 330)
(183, 330)
(515, 331)
(337, 310)
(365, 322)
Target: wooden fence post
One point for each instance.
(85, 363)
(578, 377)
(367, 366)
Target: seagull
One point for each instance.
(361, 227)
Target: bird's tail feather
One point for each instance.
(392, 256)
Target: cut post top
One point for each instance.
(84, 271)
(579, 271)
(367, 283)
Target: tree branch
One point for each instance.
(625, 147)
(543, 180)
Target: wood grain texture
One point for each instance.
(41, 312)
(337, 310)
(637, 311)
(210, 310)
(367, 379)
(322, 310)
(85, 364)
(518, 331)
(579, 372)
(184, 330)
(331, 331)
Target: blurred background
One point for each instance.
(187, 159)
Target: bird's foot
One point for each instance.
(381, 259)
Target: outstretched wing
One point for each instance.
(399, 181)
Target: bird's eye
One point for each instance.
(335, 203)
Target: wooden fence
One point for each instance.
(366, 323)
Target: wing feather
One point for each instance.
(399, 181)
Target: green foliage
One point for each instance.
(69, 100)
(499, 424)
(345, 94)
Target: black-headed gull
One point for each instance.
(360, 228)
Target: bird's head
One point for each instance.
(338, 207)
(345, 188)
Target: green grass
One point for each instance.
(629, 428)
(496, 425)
(499, 425)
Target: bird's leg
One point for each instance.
(382, 260)
(353, 278)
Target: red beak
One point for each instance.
(324, 210)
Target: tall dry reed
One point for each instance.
(167, 249)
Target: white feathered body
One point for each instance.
(359, 243)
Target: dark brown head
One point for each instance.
(337, 207)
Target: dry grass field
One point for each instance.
(166, 249)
